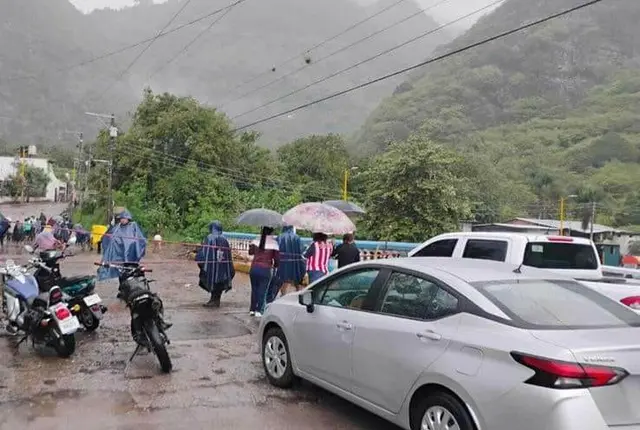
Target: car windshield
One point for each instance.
(556, 305)
(550, 255)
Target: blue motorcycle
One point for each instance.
(78, 291)
(41, 316)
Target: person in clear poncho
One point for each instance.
(215, 261)
(125, 243)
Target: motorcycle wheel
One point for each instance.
(88, 319)
(158, 346)
(65, 345)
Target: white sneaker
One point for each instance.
(252, 313)
(257, 314)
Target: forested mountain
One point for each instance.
(555, 109)
(41, 37)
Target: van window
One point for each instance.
(441, 248)
(549, 255)
(495, 250)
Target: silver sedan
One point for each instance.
(448, 344)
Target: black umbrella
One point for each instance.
(260, 218)
(346, 206)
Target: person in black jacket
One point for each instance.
(347, 252)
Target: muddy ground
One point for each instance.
(217, 382)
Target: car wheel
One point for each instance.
(276, 358)
(440, 411)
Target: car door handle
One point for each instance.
(429, 335)
(344, 325)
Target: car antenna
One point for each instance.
(518, 269)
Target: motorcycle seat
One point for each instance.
(41, 300)
(74, 285)
(72, 280)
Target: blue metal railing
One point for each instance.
(401, 247)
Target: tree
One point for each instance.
(414, 191)
(634, 247)
(35, 183)
(317, 161)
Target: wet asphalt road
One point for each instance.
(217, 382)
(21, 211)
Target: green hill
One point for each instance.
(555, 108)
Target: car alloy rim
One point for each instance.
(275, 357)
(438, 418)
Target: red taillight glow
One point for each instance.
(633, 302)
(566, 375)
(559, 239)
(55, 296)
(62, 313)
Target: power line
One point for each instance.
(344, 48)
(194, 40)
(276, 183)
(128, 47)
(318, 45)
(145, 49)
(421, 64)
(378, 55)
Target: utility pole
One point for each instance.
(87, 165)
(113, 134)
(23, 153)
(593, 219)
(78, 181)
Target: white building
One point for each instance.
(56, 189)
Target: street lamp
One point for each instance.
(346, 181)
(562, 200)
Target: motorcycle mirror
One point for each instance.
(29, 249)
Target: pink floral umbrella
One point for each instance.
(319, 218)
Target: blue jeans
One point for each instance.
(314, 275)
(260, 278)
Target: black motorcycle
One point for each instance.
(79, 291)
(148, 327)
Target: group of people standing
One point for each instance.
(20, 231)
(279, 263)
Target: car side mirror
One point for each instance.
(29, 249)
(306, 299)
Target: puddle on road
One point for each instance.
(187, 326)
(65, 404)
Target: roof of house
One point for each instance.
(569, 225)
(515, 226)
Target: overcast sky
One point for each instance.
(445, 12)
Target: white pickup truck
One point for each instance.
(570, 256)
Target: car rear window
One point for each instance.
(554, 305)
(549, 255)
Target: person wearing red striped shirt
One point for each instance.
(318, 255)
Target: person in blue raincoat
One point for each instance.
(126, 243)
(292, 268)
(215, 260)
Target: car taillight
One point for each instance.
(566, 375)
(62, 313)
(633, 302)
